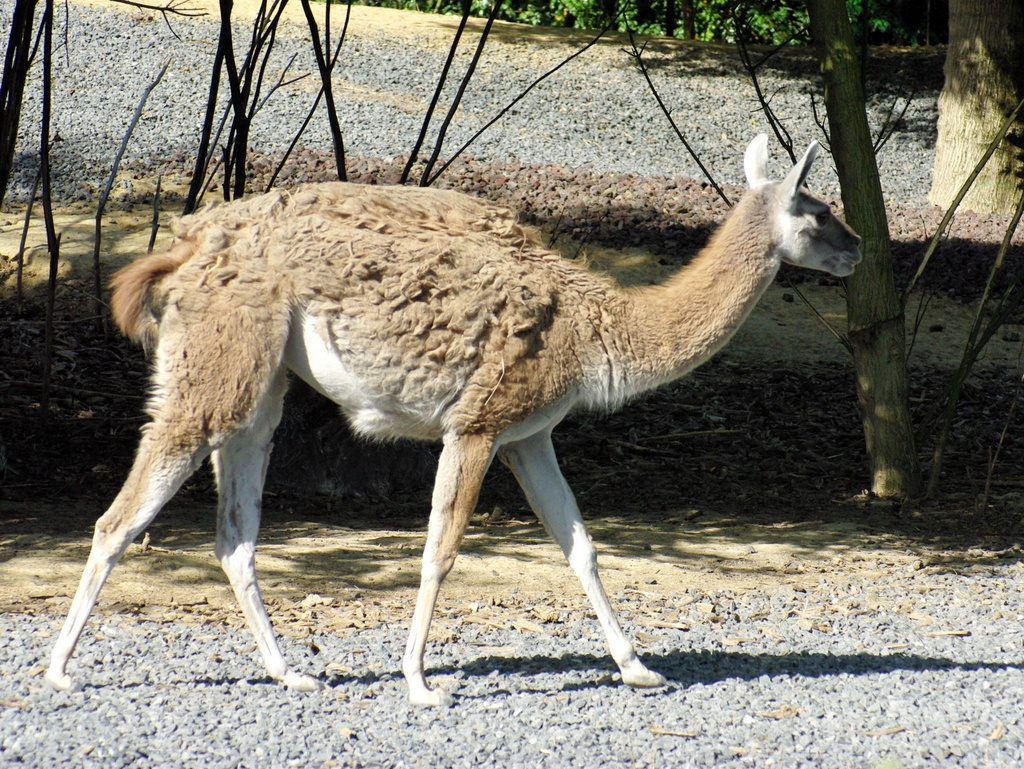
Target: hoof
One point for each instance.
(62, 682)
(297, 682)
(434, 698)
(642, 678)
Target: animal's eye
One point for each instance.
(823, 218)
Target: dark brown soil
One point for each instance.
(758, 453)
(778, 441)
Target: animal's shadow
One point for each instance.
(683, 669)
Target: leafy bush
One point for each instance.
(892, 22)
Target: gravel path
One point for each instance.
(596, 111)
(918, 669)
(921, 671)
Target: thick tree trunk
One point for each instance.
(874, 310)
(984, 81)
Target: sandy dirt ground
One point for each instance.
(176, 570)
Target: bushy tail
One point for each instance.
(135, 306)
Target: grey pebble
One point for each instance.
(874, 685)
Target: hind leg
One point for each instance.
(165, 459)
(241, 466)
(214, 365)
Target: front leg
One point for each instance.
(460, 472)
(533, 462)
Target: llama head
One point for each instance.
(808, 233)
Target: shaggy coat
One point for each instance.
(439, 303)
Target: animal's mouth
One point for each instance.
(846, 264)
(840, 264)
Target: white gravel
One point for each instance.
(922, 669)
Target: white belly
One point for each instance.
(370, 408)
(395, 401)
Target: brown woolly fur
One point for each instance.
(443, 305)
(442, 295)
(424, 314)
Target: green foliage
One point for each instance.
(888, 22)
(758, 21)
(772, 22)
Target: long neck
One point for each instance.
(670, 329)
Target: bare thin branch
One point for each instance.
(994, 455)
(822, 125)
(637, 56)
(922, 308)
(52, 238)
(968, 183)
(21, 52)
(234, 172)
(427, 179)
(179, 8)
(839, 336)
(173, 7)
(197, 185)
(320, 93)
(981, 332)
(155, 222)
(281, 83)
(105, 194)
(441, 80)
(776, 125)
(326, 89)
(20, 256)
(890, 123)
(504, 111)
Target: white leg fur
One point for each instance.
(415, 647)
(535, 466)
(241, 466)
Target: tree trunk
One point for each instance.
(874, 310)
(686, 16)
(12, 87)
(984, 81)
(671, 18)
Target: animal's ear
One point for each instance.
(797, 175)
(755, 162)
